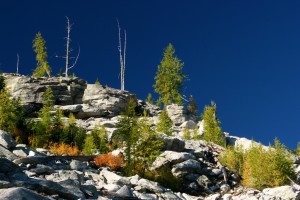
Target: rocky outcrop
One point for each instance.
(105, 101)
(30, 90)
(177, 114)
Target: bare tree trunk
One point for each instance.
(67, 46)
(18, 63)
(122, 57)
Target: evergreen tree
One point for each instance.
(192, 107)
(164, 123)
(39, 47)
(11, 112)
(128, 132)
(212, 129)
(148, 147)
(186, 134)
(150, 99)
(43, 129)
(169, 78)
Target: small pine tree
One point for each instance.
(150, 99)
(212, 129)
(186, 134)
(192, 107)
(127, 131)
(164, 123)
(97, 82)
(196, 135)
(39, 47)
(169, 78)
(148, 147)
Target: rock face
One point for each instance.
(177, 114)
(105, 101)
(30, 90)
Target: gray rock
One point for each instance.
(187, 167)
(285, 192)
(188, 124)
(21, 152)
(90, 191)
(65, 90)
(73, 188)
(78, 165)
(64, 175)
(169, 196)
(225, 187)
(42, 169)
(173, 144)
(177, 114)
(150, 109)
(19, 193)
(197, 148)
(169, 158)
(106, 101)
(5, 153)
(243, 143)
(151, 186)
(7, 166)
(213, 197)
(113, 178)
(111, 187)
(204, 182)
(6, 140)
(124, 191)
(145, 195)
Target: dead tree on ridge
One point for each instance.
(122, 57)
(18, 59)
(69, 50)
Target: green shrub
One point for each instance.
(186, 134)
(212, 130)
(164, 123)
(260, 167)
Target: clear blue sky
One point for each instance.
(244, 55)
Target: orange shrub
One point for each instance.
(109, 160)
(64, 149)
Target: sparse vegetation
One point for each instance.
(164, 124)
(259, 167)
(212, 129)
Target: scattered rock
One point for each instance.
(19, 193)
(286, 192)
(6, 140)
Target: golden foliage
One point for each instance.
(109, 160)
(64, 149)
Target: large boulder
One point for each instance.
(173, 144)
(169, 158)
(106, 101)
(243, 143)
(177, 114)
(284, 192)
(20, 193)
(6, 140)
(187, 167)
(65, 90)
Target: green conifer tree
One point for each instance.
(150, 99)
(164, 123)
(169, 78)
(39, 47)
(212, 129)
(128, 132)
